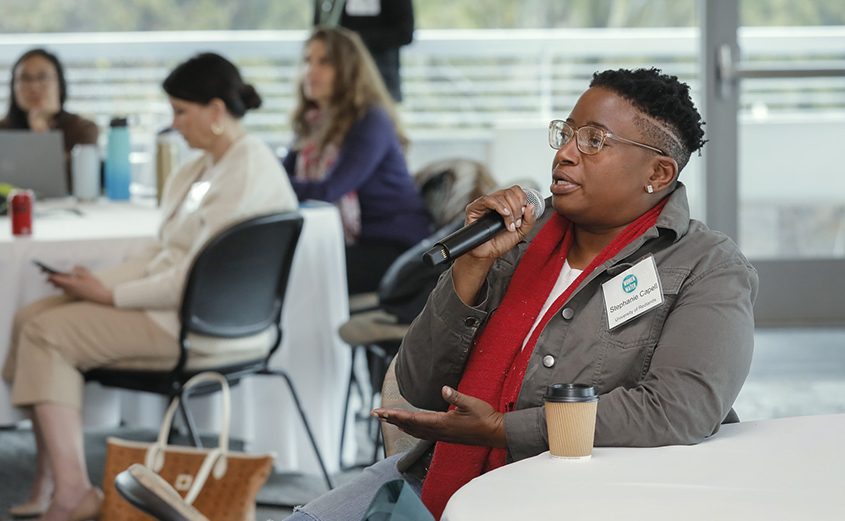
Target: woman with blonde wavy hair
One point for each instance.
(349, 150)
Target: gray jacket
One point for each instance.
(668, 376)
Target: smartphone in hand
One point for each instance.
(47, 269)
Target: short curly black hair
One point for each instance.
(664, 98)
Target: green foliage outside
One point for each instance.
(25, 16)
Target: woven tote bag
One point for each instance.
(219, 483)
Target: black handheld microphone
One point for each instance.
(476, 233)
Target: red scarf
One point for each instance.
(497, 365)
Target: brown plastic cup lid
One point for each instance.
(570, 393)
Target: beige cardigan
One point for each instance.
(246, 182)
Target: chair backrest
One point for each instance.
(236, 285)
(404, 287)
(447, 186)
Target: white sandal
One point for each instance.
(29, 509)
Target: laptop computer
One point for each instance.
(34, 160)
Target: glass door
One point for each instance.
(775, 171)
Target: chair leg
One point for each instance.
(189, 421)
(305, 423)
(346, 405)
(352, 379)
(359, 386)
(377, 445)
(376, 380)
(382, 361)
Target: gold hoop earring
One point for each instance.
(649, 189)
(217, 129)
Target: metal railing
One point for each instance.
(459, 85)
(454, 81)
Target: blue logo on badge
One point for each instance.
(629, 284)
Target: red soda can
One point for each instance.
(20, 208)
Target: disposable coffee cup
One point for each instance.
(571, 420)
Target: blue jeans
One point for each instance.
(350, 501)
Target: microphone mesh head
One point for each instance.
(536, 199)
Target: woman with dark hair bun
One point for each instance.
(38, 91)
(208, 76)
(130, 311)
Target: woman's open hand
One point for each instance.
(471, 422)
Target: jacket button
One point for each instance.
(548, 361)
(567, 313)
(471, 322)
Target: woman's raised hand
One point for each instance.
(40, 116)
(470, 271)
(510, 203)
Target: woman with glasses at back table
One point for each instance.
(37, 100)
(538, 304)
(131, 311)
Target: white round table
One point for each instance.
(782, 469)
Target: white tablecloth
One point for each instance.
(783, 469)
(263, 414)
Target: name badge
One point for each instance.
(632, 292)
(194, 197)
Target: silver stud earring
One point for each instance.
(649, 189)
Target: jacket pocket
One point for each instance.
(627, 349)
(645, 329)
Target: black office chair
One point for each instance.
(378, 333)
(235, 290)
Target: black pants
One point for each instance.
(387, 61)
(366, 263)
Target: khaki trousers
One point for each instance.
(55, 339)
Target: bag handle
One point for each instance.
(216, 458)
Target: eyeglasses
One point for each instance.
(589, 139)
(40, 79)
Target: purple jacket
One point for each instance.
(371, 163)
